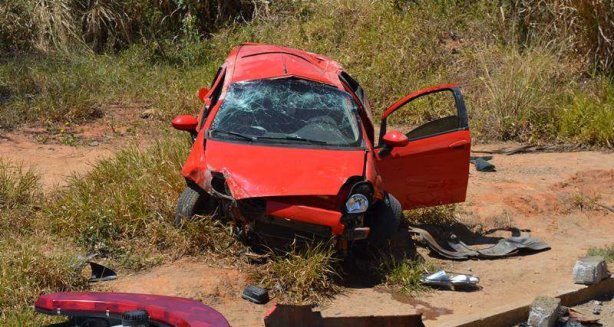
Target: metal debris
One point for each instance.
(458, 250)
(450, 280)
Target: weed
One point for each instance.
(439, 215)
(124, 209)
(302, 275)
(19, 188)
(607, 252)
(403, 274)
(582, 201)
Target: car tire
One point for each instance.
(191, 202)
(385, 220)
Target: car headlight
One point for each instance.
(357, 203)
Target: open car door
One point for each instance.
(433, 167)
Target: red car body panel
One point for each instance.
(433, 170)
(401, 102)
(258, 61)
(173, 311)
(429, 171)
(266, 171)
(426, 172)
(306, 214)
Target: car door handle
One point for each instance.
(458, 144)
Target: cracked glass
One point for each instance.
(288, 110)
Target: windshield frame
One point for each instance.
(359, 144)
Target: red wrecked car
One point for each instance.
(285, 145)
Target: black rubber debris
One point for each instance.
(256, 294)
(101, 273)
(482, 164)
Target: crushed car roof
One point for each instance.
(252, 61)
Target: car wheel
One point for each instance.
(385, 220)
(190, 203)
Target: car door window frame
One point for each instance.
(354, 88)
(461, 112)
(216, 92)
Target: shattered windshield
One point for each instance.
(288, 110)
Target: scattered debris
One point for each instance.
(590, 270)
(458, 250)
(544, 312)
(451, 280)
(256, 294)
(101, 273)
(609, 208)
(581, 316)
(535, 148)
(482, 164)
(304, 315)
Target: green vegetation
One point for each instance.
(124, 209)
(32, 261)
(607, 252)
(532, 71)
(403, 275)
(302, 275)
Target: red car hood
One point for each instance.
(261, 171)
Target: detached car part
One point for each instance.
(451, 280)
(458, 250)
(89, 309)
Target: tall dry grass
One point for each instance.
(584, 28)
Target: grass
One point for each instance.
(76, 88)
(125, 207)
(607, 252)
(301, 275)
(403, 275)
(521, 76)
(123, 210)
(527, 90)
(438, 216)
(33, 261)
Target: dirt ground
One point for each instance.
(556, 195)
(57, 152)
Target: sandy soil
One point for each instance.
(553, 194)
(58, 152)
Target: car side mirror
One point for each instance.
(395, 139)
(185, 123)
(202, 93)
(392, 140)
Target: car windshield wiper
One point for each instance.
(293, 138)
(247, 137)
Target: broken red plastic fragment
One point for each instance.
(174, 311)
